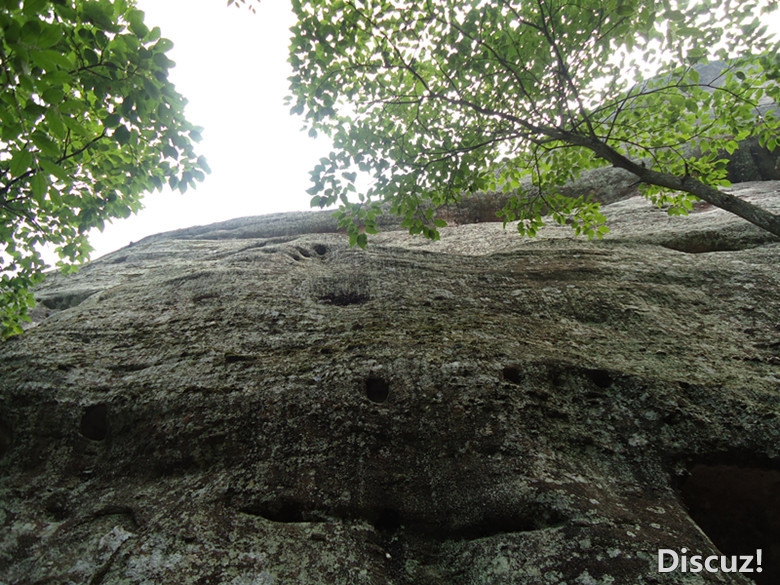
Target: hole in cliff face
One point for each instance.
(285, 509)
(56, 506)
(94, 422)
(281, 510)
(601, 378)
(303, 251)
(512, 374)
(377, 389)
(701, 243)
(341, 290)
(344, 298)
(68, 299)
(388, 520)
(533, 516)
(739, 509)
(320, 249)
(6, 437)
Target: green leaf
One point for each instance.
(34, 7)
(696, 55)
(49, 60)
(137, 26)
(53, 95)
(54, 169)
(56, 125)
(122, 134)
(202, 163)
(39, 186)
(20, 163)
(162, 61)
(73, 106)
(49, 35)
(100, 14)
(44, 142)
(112, 120)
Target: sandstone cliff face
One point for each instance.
(244, 404)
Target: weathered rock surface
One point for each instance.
(235, 405)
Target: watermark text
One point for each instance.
(669, 560)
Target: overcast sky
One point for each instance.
(232, 67)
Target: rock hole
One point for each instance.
(344, 298)
(601, 378)
(739, 509)
(702, 243)
(320, 249)
(94, 422)
(6, 438)
(56, 506)
(342, 290)
(234, 358)
(387, 520)
(65, 299)
(512, 374)
(377, 389)
(284, 510)
(532, 517)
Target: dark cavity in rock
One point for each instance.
(377, 389)
(739, 509)
(512, 374)
(94, 422)
(6, 438)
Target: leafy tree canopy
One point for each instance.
(434, 99)
(89, 122)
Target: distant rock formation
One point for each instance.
(254, 402)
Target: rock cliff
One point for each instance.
(256, 403)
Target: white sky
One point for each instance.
(232, 67)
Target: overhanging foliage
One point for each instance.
(90, 122)
(440, 98)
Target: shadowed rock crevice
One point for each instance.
(66, 299)
(400, 524)
(283, 510)
(738, 507)
(701, 243)
(94, 422)
(6, 438)
(341, 290)
(530, 518)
